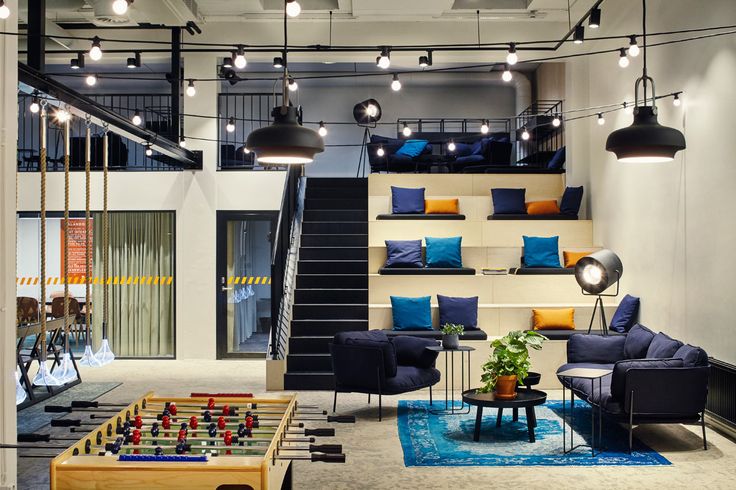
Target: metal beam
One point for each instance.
(37, 34)
(82, 105)
(175, 82)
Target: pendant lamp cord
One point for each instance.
(644, 42)
(285, 85)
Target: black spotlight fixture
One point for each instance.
(578, 36)
(645, 141)
(594, 20)
(227, 62)
(595, 273)
(367, 113)
(135, 61)
(78, 62)
(278, 62)
(425, 61)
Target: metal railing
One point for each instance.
(544, 137)
(442, 129)
(285, 254)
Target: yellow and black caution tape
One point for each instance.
(245, 280)
(112, 280)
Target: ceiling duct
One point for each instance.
(103, 15)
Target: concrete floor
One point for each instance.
(374, 454)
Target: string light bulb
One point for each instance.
(556, 121)
(246, 150)
(506, 76)
(182, 141)
(230, 126)
(191, 89)
(406, 131)
(4, 10)
(525, 134)
(512, 58)
(91, 80)
(149, 150)
(633, 47)
(137, 119)
(35, 106)
(623, 60)
(396, 83)
(601, 119)
(62, 115)
(384, 61)
(293, 86)
(293, 9)
(120, 7)
(95, 51)
(322, 129)
(380, 152)
(484, 127)
(239, 58)
(676, 100)
(451, 146)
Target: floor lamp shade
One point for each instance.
(367, 112)
(598, 271)
(285, 141)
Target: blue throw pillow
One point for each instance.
(558, 159)
(407, 201)
(571, 200)
(625, 315)
(478, 147)
(691, 356)
(411, 313)
(509, 201)
(460, 311)
(463, 149)
(541, 251)
(663, 347)
(412, 148)
(444, 252)
(404, 253)
(637, 342)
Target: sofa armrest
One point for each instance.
(666, 391)
(595, 348)
(412, 351)
(358, 367)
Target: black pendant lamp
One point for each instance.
(645, 141)
(286, 141)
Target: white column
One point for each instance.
(8, 152)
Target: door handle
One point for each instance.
(223, 289)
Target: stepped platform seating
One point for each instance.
(442, 256)
(532, 216)
(416, 216)
(510, 204)
(427, 271)
(655, 379)
(475, 334)
(410, 204)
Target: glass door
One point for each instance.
(244, 283)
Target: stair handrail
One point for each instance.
(284, 261)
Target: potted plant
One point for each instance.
(451, 335)
(509, 362)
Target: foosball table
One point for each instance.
(226, 441)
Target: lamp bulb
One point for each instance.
(384, 62)
(91, 80)
(35, 107)
(396, 84)
(406, 131)
(601, 120)
(592, 274)
(4, 11)
(293, 86)
(230, 126)
(556, 122)
(484, 128)
(512, 58)
(380, 152)
(507, 76)
(623, 61)
(137, 119)
(322, 129)
(525, 135)
(191, 89)
(293, 9)
(240, 62)
(451, 146)
(371, 110)
(149, 151)
(120, 7)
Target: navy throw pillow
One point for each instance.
(460, 311)
(407, 201)
(463, 149)
(404, 253)
(541, 251)
(637, 342)
(412, 351)
(663, 347)
(444, 252)
(618, 378)
(691, 356)
(509, 201)
(558, 159)
(571, 200)
(372, 338)
(597, 349)
(411, 313)
(625, 315)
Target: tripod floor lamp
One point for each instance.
(595, 273)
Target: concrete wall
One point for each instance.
(670, 223)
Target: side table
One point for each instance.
(450, 408)
(591, 374)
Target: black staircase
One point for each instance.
(332, 278)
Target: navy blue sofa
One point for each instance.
(655, 379)
(369, 362)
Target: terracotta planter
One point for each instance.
(506, 387)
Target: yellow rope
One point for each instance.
(105, 239)
(66, 236)
(42, 163)
(87, 271)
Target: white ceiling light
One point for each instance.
(95, 52)
(91, 80)
(120, 7)
(4, 10)
(396, 83)
(512, 58)
(293, 8)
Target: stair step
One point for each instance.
(330, 296)
(337, 182)
(338, 253)
(326, 327)
(309, 381)
(336, 203)
(309, 363)
(336, 192)
(332, 267)
(336, 215)
(335, 240)
(350, 281)
(310, 345)
(328, 228)
(330, 312)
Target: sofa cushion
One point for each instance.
(412, 351)
(625, 315)
(571, 200)
(463, 149)
(509, 201)
(406, 200)
(476, 334)
(542, 207)
(553, 318)
(662, 347)
(371, 338)
(444, 252)
(595, 348)
(442, 206)
(460, 311)
(691, 356)
(541, 251)
(400, 159)
(618, 379)
(410, 378)
(412, 148)
(637, 342)
(411, 313)
(404, 253)
(467, 159)
(558, 159)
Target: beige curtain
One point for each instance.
(141, 310)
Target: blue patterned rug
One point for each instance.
(437, 440)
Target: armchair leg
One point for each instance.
(702, 424)
(379, 407)
(334, 403)
(631, 422)
(369, 398)
(430, 395)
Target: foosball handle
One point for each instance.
(319, 432)
(328, 458)
(84, 404)
(325, 448)
(341, 419)
(32, 437)
(66, 423)
(57, 409)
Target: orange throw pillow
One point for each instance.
(571, 258)
(557, 319)
(542, 207)
(441, 206)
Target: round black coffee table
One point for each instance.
(525, 398)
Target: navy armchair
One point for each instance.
(654, 379)
(369, 362)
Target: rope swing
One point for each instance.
(104, 355)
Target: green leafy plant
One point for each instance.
(452, 329)
(510, 356)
